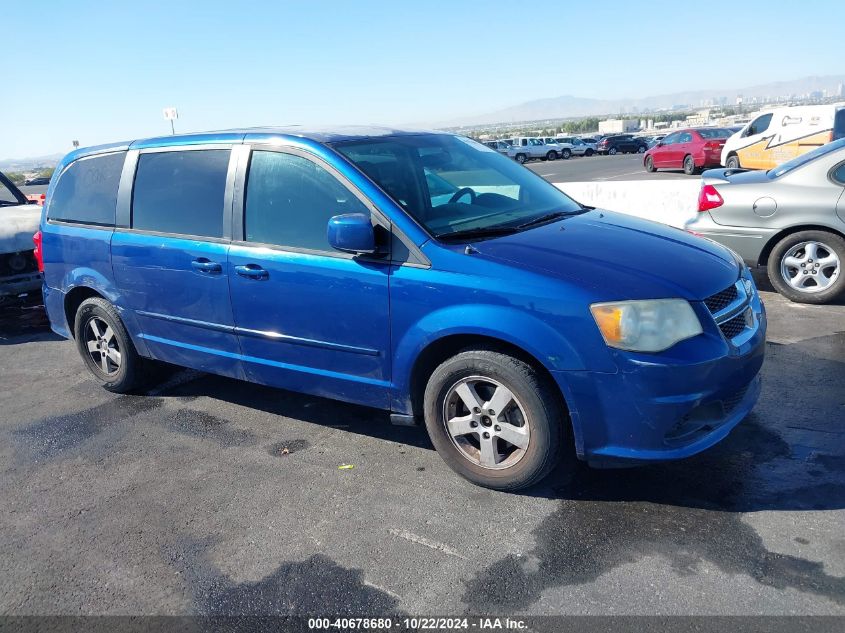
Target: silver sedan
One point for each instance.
(790, 219)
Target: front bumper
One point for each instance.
(671, 405)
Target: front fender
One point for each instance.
(516, 327)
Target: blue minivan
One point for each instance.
(417, 272)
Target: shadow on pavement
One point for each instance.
(25, 322)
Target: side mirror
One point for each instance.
(659, 143)
(352, 233)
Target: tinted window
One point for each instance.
(87, 190)
(671, 139)
(289, 200)
(760, 124)
(839, 124)
(686, 137)
(452, 184)
(839, 174)
(181, 192)
(715, 132)
(7, 195)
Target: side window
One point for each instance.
(759, 125)
(87, 190)
(839, 174)
(181, 192)
(671, 139)
(686, 137)
(289, 200)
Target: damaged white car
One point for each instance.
(19, 276)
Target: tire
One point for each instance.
(732, 162)
(689, 165)
(649, 165)
(533, 406)
(125, 372)
(566, 154)
(824, 283)
(551, 155)
(589, 152)
(521, 158)
(641, 149)
(612, 151)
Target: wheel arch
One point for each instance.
(763, 260)
(73, 299)
(441, 349)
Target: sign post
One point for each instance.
(171, 114)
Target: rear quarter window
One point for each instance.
(86, 191)
(181, 192)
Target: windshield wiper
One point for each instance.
(549, 217)
(489, 231)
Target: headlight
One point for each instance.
(646, 326)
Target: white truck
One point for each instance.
(527, 148)
(19, 218)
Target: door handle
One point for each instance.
(205, 266)
(252, 271)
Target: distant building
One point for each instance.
(617, 126)
(840, 91)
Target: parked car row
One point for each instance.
(525, 148)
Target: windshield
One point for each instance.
(451, 184)
(715, 132)
(802, 160)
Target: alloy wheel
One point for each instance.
(102, 345)
(486, 422)
(810, 266)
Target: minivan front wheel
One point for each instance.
(493, 419)
(106, 348)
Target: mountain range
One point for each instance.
(569, 106)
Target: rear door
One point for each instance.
(309, 318)
(169, 259)
(680, 149)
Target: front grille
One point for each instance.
(733, 327)
(17, 264)
(721, 300)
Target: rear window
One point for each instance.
(181, 192)
(87, 190)
(714, 133)
(839, 124)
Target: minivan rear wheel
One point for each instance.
(807, 267)
(494, 419)
(106, 348)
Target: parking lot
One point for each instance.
(213, 496)
(601, 168)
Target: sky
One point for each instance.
(103, 71)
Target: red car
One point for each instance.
(690, 150)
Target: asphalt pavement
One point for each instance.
(213, 496)
(593, 168)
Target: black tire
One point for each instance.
(566, 154)
(552, 155)
(641, 149)
(649, 165)
(133, 372)
(732, 162)
(589, 152)
(832, 243)
(534, 395)
(612, 151)
(521, 158)
(689, 165)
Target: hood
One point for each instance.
(17, 226)
(617, 256)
